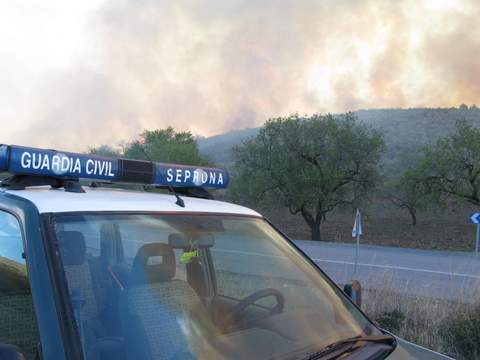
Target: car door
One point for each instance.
(18, 325)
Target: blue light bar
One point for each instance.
(37, 162)
(190, 176)
(19, 160)
(3, 158)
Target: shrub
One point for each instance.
(449, 327)
(391, 320)
(462, 332)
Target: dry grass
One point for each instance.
(449, 327)
(415, 319)
(384, 224)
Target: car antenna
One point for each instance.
(179, 201)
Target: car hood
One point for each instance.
(407, 351)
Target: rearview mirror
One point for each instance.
(10, 352)
(179, 241)
(354, 291)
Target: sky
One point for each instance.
(77, 74)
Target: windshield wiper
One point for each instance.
(338, 345)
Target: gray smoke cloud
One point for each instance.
(214, 66)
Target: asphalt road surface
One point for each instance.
(434, 274)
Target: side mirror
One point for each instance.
(354, 291)
(10, 352)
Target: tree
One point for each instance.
(452, 166)
(409, 192)
(163, 145)
(312, 165)
(167, 145)
(104, 150)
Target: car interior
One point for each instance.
(164, 303)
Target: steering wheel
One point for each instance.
(238, 310)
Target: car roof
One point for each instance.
(49, 200)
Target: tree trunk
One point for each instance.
(314, 224)
(315, 231)
(413, 215)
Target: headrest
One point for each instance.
(72, 247)
(180, 241)
(154, 262)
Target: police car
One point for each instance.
(92, 272)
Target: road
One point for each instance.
(434, 274)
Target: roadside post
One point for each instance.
(475, 219)
(354, 290)
(356, 232)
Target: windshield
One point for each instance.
(196, 287)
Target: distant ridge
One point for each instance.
(404, 130)
(219, 147)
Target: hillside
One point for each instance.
(219, 147)
(404, 129)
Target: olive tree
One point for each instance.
(452, 166)
(405, 185)
(312, 165)
(105, 150)
(408, 191)
(167, 145)
(164, 145)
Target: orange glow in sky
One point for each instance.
(79, 74)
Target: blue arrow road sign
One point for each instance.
(475, 218)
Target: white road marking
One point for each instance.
(391, 267)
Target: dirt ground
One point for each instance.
(383, 224)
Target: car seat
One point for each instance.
(156, 307)
(79, 281)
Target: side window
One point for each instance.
(17, 317)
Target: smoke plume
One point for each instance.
(214, 66)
